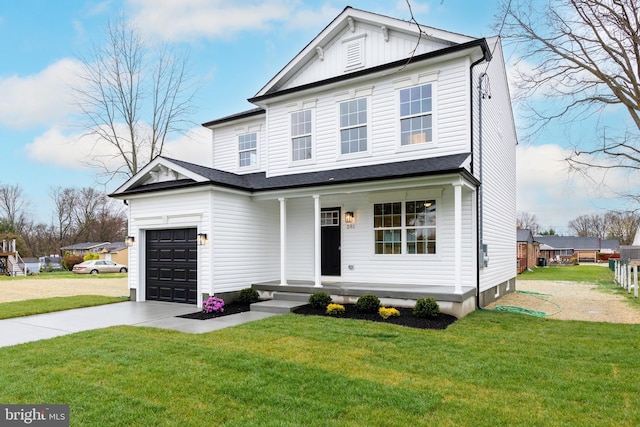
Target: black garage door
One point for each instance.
(172, 265)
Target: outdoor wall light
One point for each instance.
(130, 241)
(349, 217)
(202, 239)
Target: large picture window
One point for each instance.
(248, 150)
(408, 227)
(416, 115)
(353, 126)
(301, 148)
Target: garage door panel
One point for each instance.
(171, 265)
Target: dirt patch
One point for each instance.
(570, 301)
(26, 289)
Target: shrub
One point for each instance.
(248, 296)
(335, 309)
(89, 256)
(385, 312)
(426, 307)
(368, 304)
(213, 305)
(69, 260)
(320, 300)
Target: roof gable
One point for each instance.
(357, 40)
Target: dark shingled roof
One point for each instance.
(256, 182)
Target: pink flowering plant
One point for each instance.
(213, 305)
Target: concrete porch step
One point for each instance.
(276, 306)
(291, 296)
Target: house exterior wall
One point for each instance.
(498, 171)
(225, 145)
(120, 257)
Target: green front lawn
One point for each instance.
(488, 369)
(570, 273)
(48, 305)
(64, 275)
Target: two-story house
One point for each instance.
(381, 159)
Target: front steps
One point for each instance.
(277, 305)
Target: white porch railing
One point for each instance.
(627, 276)
(14, 265)
(9, 245)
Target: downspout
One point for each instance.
(479, 232)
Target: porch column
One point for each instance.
(457, 237)
(283, 241)
(317, 242)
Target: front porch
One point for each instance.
(450, 302)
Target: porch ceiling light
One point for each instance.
(130, 241)
(202, 239)
(349, 217)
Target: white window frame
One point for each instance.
(428, 78)
(415, 115)
(309, 134)
(404, 227)
(366, 125)
(240, 150)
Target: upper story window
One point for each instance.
(248, 150)
(416, 120)
(301, 137)
(353, 126)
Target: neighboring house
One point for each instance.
(85, 248)
(378, 160)
(30, 265)
(528, 250)
(117, 252)
(561, 249)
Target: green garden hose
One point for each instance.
(521, 310)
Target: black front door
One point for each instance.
(172, 265)
(330, 242)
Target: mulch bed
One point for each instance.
(231, 308)
(406, 317)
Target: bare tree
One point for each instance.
(589, 226)
(63, 215)
(622, 226)
(14, 207)
(585, 57)
(527, 221)
(133, 97)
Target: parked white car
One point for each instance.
(96, 266)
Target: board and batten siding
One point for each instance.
(499, 173)
(451, 121)
(376, 51)
(175, 210)
(225, 145)
(246, 241)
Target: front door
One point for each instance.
(330, 242)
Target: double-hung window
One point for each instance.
(353, 126)
(301, 141)
(248, 150)
(405, 227)
(416, 115)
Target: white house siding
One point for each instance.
(451, 114)
(225, 145)
(245, 243)
(499, 174)
(376, 52)
(177, 210)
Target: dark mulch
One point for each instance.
(231, 308)
(406, 317)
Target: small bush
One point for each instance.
(385, 312)
(89, 256)
(248, 296)
(213, 305)
(335, 309)
(320, 300)
(69, 260)
(368, 304)
(426, 307)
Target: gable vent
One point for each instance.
(354, 54)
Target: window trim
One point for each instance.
(291, 137)
(430, 79)
(256, 149)
(365, 153)
(404, 227)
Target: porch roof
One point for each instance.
(257, 182)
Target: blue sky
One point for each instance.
(235, 48)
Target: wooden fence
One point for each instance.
(626, 276)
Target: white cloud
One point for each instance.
(42, 98)
(548, 189)
(194, 147)
(180, 20)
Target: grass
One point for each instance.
(487, 369)
(64, 275)
(48, 305)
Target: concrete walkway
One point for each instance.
(150, 313)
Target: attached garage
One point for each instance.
(172, 265)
